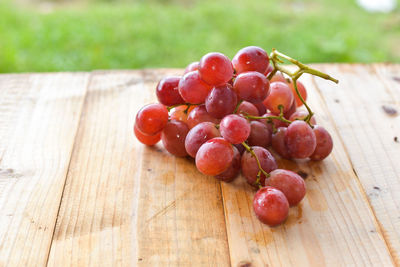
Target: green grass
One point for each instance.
(142, 34)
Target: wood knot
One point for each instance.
(244, 264)
(391, 111)
(303, 175)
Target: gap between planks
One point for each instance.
(85, 97)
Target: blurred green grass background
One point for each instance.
(93, 34)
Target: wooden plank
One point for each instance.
(333, 226)
(39, 115)
(127, 204)
(368, 133)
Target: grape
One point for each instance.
(302, 91)
(233, 170)
(234, 128)
(261, 108)
(300, 140)
(192, 67)
(250, 167)
(149, 140)
(278, 143)
(301, 115)
(278, 77)
(251, 58)
(198, 135)
(251, 86)
(270, 206)
(247, 108)
(193, 89)
(324, 143)
(221, 101)
(260, 135)
(291, 110)
(178, 113)
(215, 68)
(167, 91)
(290, 183)
(279, 94)
(268, 70)
(240, 148)
(173, 137)
(200, 114)
(151, 119)
(214, 156)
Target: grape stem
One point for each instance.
(178, 105)
(237, 106)
(276, 56)
(270, 118)
(261, 170)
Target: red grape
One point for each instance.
(234, 128)
(192, 67)
(149, 140)
(291, 110)
(270, 206)
(300, 140)
(214, 156)
(278, 143)
(151, 119)
(251, 86)
(173, 138)
(233, 169)
(215, 68)
(221, 101)
(278, 77)
(279, 94)
(247, 108)
(260, 135)
(198, 135)
(193, 89)
(269, 69)
(178, 113)
(240, 148)
(301, 115)
(324, 143)
(200, 114)
(250, 167)
(290, 183)
(167, 91)
(261, 108)
(251, 58)
(302, 91)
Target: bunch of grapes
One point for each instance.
(228, 114)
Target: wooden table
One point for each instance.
(76, 188)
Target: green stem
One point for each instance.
(272, 73)
(274, 56)
(261, 170)
(310, 113)
(237, 106)
(304, 68)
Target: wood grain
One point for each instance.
(333, 226)
(38, 122)
(180, 217)
(98, 210)
(368, 133)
